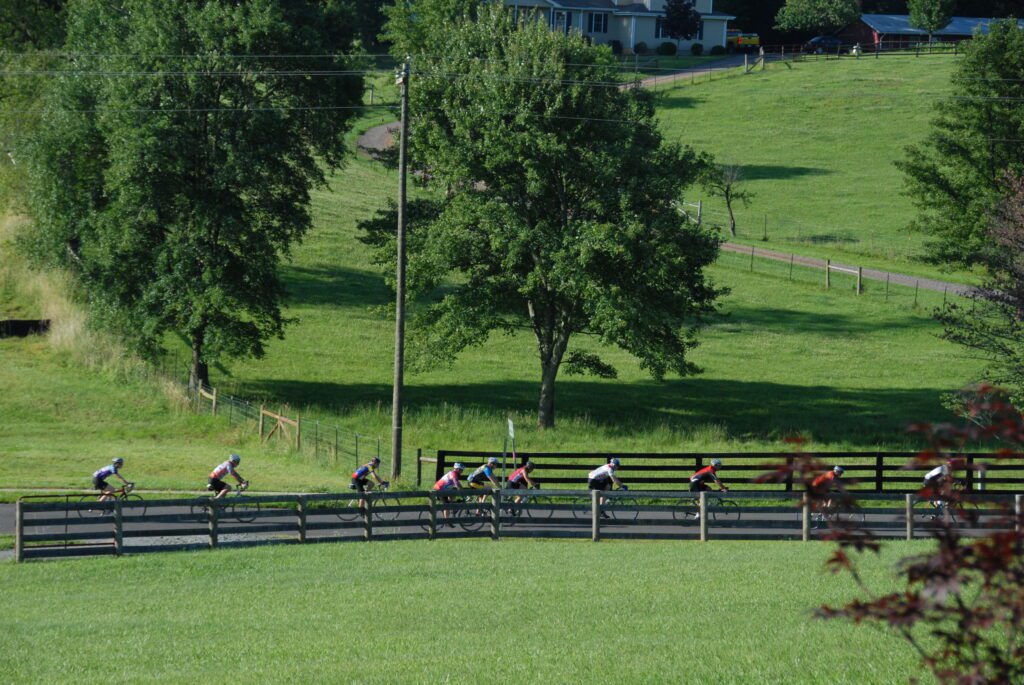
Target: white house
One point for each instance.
(629, 23)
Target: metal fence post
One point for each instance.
(702, 508)
(316, 440)
(595, 515)
(212, 513)
(910, 515)
(118, 528)
(433, 515)
(828, 274)
(860, 280)
(19, 531)
(805, 520)
(300, 510)
(419, 465)
(496, 515)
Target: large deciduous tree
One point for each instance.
(956, 176)
(817, 15)
(930, 15)
(555, 206)
(682, 20)
(174, 167)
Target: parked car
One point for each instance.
(738, 41)
(823, 44)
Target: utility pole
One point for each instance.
(402, 80)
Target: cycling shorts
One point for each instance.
(99, 483)
(478, 484)
(217, 485)
(599, 484)
(359, 484)
(517, 485)
(698, 486)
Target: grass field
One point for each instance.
(448, 612)
(817, 142)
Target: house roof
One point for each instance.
(900, 24)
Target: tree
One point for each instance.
(554, 207)
(724, 181)
(956, 176)
(682, 20)
(930, 15)
(992, 324)
(31, 24)
(817, 15)
(172, 172)
(414, 26)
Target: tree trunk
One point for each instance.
(546, 409)
(200, 373)
(732, 220)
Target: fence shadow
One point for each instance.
(763, 172)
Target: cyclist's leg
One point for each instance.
(219, 487)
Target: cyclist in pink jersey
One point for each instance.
(216, 482)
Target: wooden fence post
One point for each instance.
(595, 515)
(19, 531)
(213, 523)
(828, 274)
(298, 433)
(969, 475)
(789, 474)
(860, 280)
(703, 514)
(261, 422)
(367, 517)
(496, 515)
(118, 528)
(300, 510)
(432, 531)
(910, 515)
(419, 466)
(805, 520)
(214, 409)
(879, 470)
(1018, 508)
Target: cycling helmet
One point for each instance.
(493, 460)
(838, 470)
(614, 461)
(946, 469)
(118, 461)
(458, 467)
(235, 459)
(528, 466)
(716, 462)
(375, 460)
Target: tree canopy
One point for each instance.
(817, 15)
(930, 15)
(554, 207)
(956, 176)
(173, 169)
(682, 20)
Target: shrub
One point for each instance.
(616, 47)
(697, 49)
(668, 49)
(717, 50)
(640, 48)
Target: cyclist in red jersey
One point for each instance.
(699, 480)
(520, 480)
(826, 483)
(449, 481)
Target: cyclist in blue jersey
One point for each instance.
(99, 478)
(362, 475)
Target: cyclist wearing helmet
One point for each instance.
(217, 483)
(484, 475)
(603, 477)
(827, 480)
(361, 475)
(939, 477)
(450, 480)
(520, 478)
(99, 478)
(699, 480)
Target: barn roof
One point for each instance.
(900, 24)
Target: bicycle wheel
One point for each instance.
(91, 512)
(725, 510)
(242, 510)
(542, 508)
(621, 514)
(140, 508)
(349, 510)
(685, 511)
(468, 519)
(581, 508)
(386, 516)
(200, 509)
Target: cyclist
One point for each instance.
(99, 479)
(603, 477)
(825, 483)
(937, 483)
(520, 480)
(485, 474)
(217, 483)
(361, 476)
(449, 481)
(699, 480)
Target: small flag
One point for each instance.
(511, 430)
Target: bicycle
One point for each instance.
(233, 505)
(615, 508)
(838, 513)
(535, 507)
(956, 507)
(123, 493)
(465, 517)
(351, 511)
(718, 509)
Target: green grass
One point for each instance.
(6, 542)
(817, 142)
(467, 612)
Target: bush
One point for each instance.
(697, 49)
(616, 47)
(717, 50)
(640, 48)
(668, 49)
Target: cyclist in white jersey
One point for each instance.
(99, 478)
(603, 477)
(216, 482)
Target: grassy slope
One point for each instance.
(848, 372)
(449, 612)
(817, 143)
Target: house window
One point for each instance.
(597, 22)
(660, 29)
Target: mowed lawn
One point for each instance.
(462, 612)
(817, 143)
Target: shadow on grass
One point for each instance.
(337, 286)
(746, 319)
(762, 172)
(748, 409)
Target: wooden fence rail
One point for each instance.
(282, 424)
(865, 471)
(56, 529)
